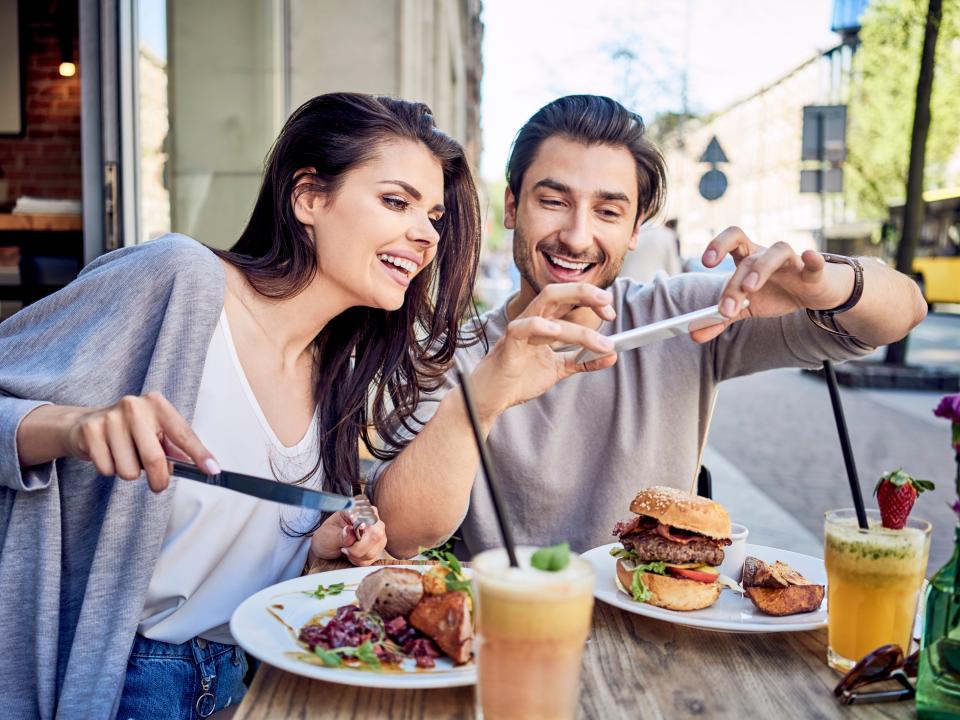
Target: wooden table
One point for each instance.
(633, 667)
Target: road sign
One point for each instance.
(713, 184)
(714, 153)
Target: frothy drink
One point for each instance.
(532, 626)
(873, 583)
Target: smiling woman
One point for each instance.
(337, 307)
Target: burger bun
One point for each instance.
(669, 592)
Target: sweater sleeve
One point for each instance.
(91, 342)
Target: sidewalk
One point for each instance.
(768, 522)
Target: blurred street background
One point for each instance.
(797, 120)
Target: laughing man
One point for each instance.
(574, 442)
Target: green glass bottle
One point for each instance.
(938, 680)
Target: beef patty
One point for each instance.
(651, 547)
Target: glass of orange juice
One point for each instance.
(873, 584)
(532, 626)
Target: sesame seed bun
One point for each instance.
(683, 510)
(670, 592)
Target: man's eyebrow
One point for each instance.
(610, 195)
(413, 192)
(552, 185)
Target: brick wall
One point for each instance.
(45, 161)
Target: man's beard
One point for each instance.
(524, 260)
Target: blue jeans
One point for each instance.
(181, 682)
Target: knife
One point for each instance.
(265, 489)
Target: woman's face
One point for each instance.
(376, 233)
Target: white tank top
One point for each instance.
(221, 546)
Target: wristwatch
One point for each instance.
(824, 319)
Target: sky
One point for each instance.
(636, 51)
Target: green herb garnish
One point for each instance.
(551, 559)
(330, 658)
(322, 591)
(366, 654)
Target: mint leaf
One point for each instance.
(551, 559)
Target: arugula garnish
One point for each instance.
(551, 559)
(322, 591)
(365, 653)
(439, 552)
(454, 579)
(638, 588)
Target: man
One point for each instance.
(573, 443)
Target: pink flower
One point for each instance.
(949, 408)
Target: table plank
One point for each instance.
(633, 667)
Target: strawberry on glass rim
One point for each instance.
(896, 492)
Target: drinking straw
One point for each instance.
(703, 445)
(845, 443)
(487, 465)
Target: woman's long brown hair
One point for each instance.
(371, 365)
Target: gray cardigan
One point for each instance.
(77, 549)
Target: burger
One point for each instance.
(671, 549)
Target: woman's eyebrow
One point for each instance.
(413, 192)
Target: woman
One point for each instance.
(274, 357)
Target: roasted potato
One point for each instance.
(434, 580)
(786, 600)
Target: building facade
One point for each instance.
(761, 138)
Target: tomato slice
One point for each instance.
(689, 574)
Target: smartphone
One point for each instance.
(661, 330)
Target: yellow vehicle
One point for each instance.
(936, 264)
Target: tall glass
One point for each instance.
(532, 626)
(873, 584)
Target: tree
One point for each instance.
(883, 100)
(913, 210)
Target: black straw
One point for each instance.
(487, 465)
(845, 443)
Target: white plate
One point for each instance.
(731, 612)
(261, 634)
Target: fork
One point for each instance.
(361, 513)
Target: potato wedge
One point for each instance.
(786, 600)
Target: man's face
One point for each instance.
(576, 215)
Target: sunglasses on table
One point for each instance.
(883, 664)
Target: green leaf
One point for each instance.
(638, 588)
(623, 553)
(551, 559)
(458, 583)
(322, 591)
(366, 654)
(330, 658)
(450, 561)
(899, 478)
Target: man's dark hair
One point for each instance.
(592, 120)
